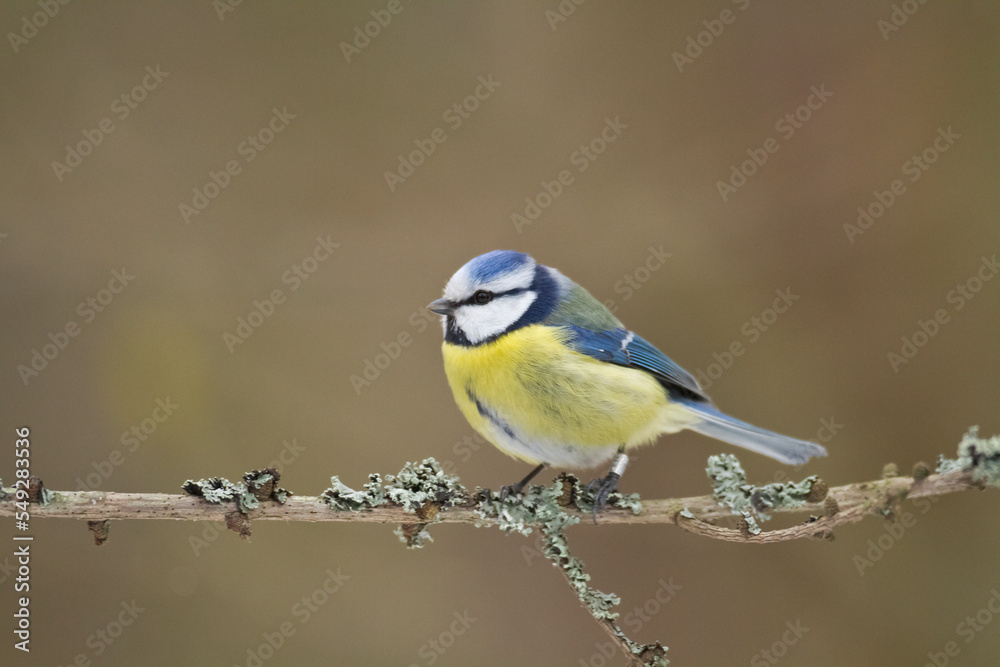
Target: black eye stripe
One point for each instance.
(471, 301)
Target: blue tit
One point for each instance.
(547, 374)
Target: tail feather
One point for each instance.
(721, 426)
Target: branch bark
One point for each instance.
(844, 504)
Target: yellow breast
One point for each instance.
(539, 400)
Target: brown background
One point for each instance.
(323, 176)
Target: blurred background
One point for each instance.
(240, 209)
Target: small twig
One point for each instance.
(843, 505)
(623, 642)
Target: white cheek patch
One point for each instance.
(481, 322)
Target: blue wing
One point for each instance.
(624, 348)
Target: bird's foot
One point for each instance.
(511, 490)
(602, 488)
(515, 489)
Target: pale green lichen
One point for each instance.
(258, 485)
(263, 485)
(420, 483)
(543, 507)
(414, 486)
(417, 487)
(750, 523)
(652, 655)
(342, 497)
(539, 506)
(730, 487)
(414, 536)
(213, 489)
(520, 513)
(376, 494)
(981, 455)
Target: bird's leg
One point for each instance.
(516, 489)
(602, 487)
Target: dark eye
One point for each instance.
(482, 297)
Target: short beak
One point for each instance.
(441, 307)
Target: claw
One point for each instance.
(602, 487)
(516, 489)
(507, 491)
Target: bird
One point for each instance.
(547, 374)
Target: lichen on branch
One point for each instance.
(981, 455)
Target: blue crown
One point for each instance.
(496, 263)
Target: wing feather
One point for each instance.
(625, 348)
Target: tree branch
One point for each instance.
(853, 501)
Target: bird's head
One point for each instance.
(494, 294)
